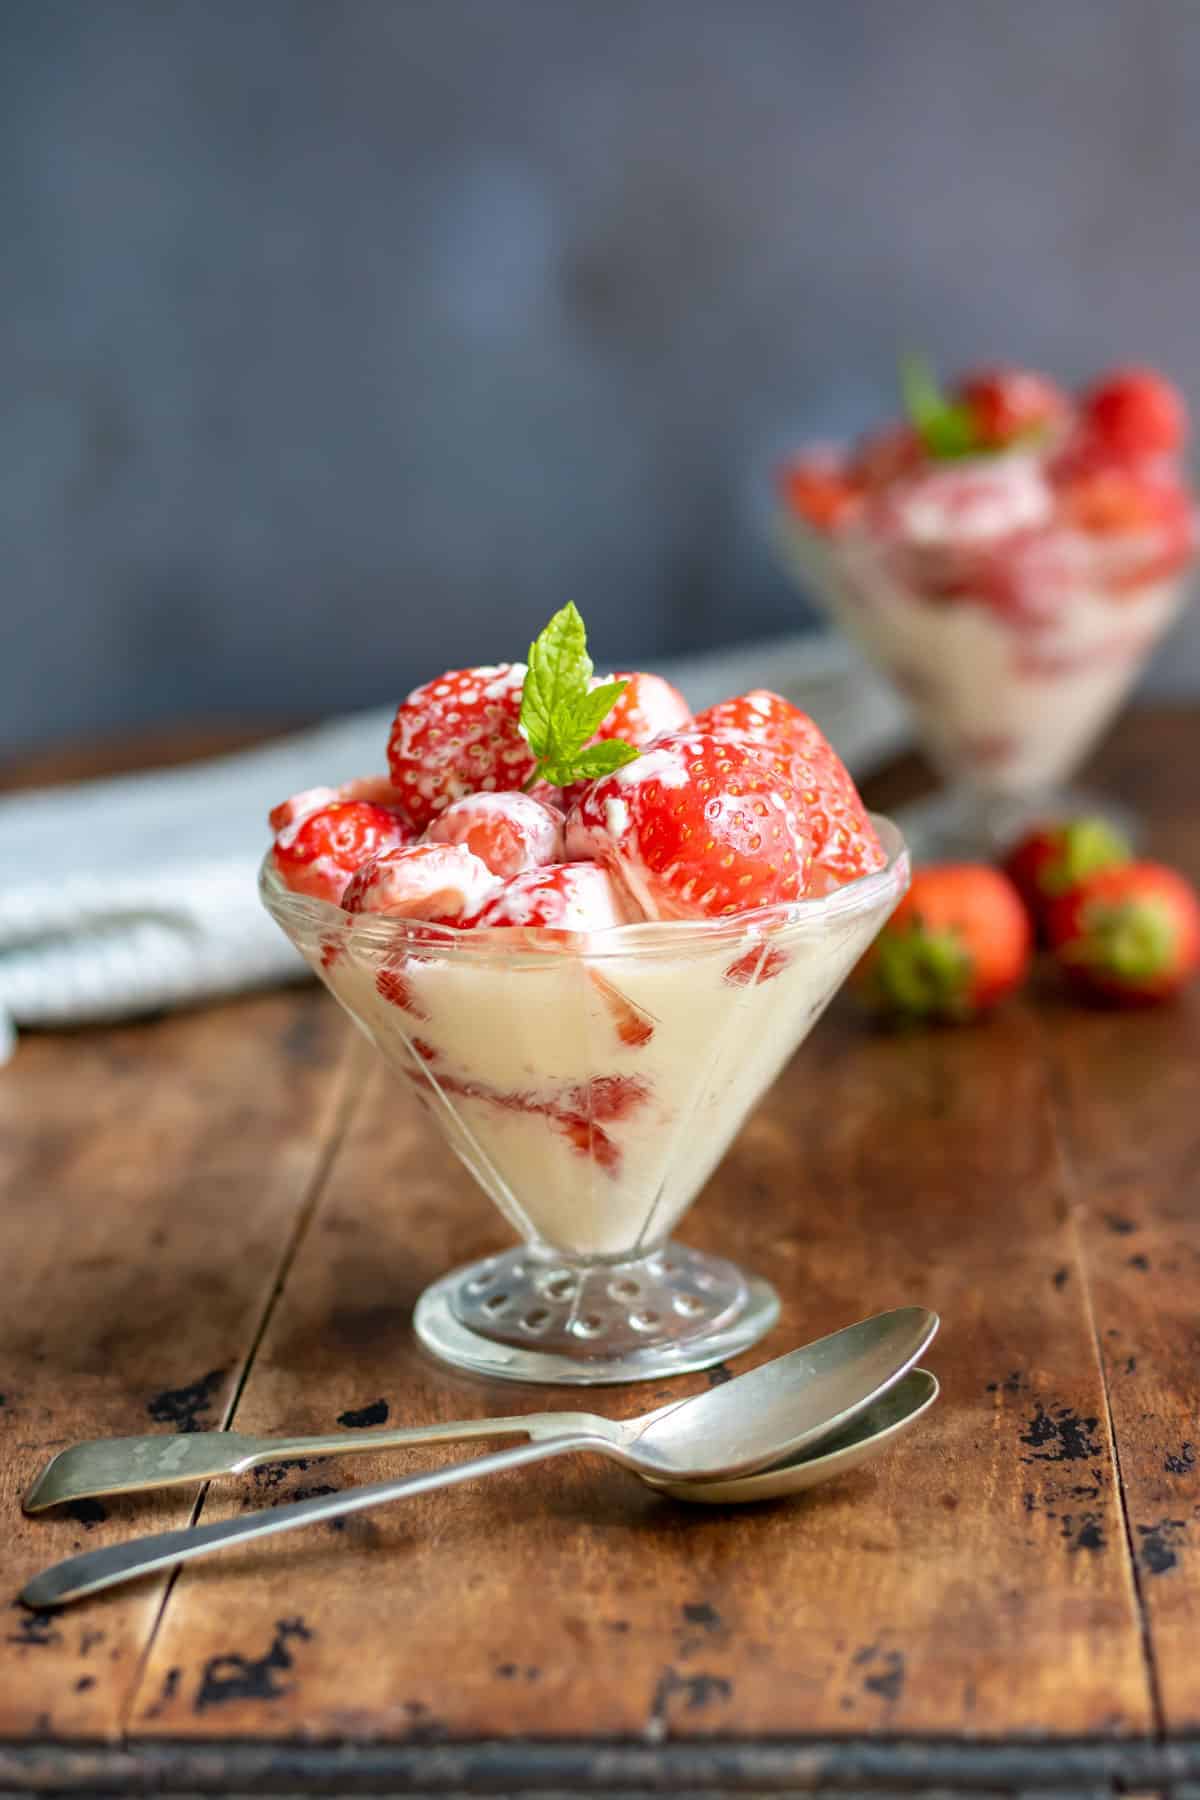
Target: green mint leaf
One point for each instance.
(946, 428)
(595, 707)
(560, 712)
(603, 758)
(557, 678)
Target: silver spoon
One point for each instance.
(758, 1419)
(851, 1362)
(871, 1432)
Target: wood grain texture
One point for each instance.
(975, 1584)
(152, 1177)
(977, 1581)
(1130, 1101)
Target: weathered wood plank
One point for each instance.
(977, 1582)
(1129, 1086)
(152, 1177)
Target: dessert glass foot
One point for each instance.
(958, 824)
(591, 1083)
(530, 1316)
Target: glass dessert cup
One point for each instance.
(591, 1083)
(1012, 659)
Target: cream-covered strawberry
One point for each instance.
(845, 843)
(508, 832)
(459, 735)
(646, 707)
(698, 827)
(579, 896)
(317, 849)
(441, 883)
(380, 790)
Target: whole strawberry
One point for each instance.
(459, 735)
(1129, 935)
(958, 943)
(1053, 858)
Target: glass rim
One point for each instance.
(648, 937)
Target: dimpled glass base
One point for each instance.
(523, 1316)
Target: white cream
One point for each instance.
(534, 1031)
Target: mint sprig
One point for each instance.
(561, 711)
(945, 427)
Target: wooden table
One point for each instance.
(226, 1216)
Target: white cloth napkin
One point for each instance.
(125, 896)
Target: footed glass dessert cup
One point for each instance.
(591, 1083)
(1013, 657)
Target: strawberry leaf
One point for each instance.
(561, 711)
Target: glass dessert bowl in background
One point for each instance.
(589, 929)
(1009, 558)
(591, 1082)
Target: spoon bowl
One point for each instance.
(869, 1434)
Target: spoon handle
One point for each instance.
(138, 1465)
(116, 1563)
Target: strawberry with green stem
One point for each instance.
(958, 944)
(1127, 935)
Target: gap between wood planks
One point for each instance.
(348, 1091)
(1064, 1141)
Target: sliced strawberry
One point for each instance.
(320, 850)
(508, 832)
(395, 986)
(958, 943)
(608, 1097)
(697, 827)
(560, 897)
(1137, 412)
(377, 788)
(1009, 405)
(590, 1140)
(820, 489)
(1129, 935)
(442, 883)
(458, 735)
(755, 966)
(634, 1027)
(845, 843)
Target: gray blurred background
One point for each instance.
(340, 342)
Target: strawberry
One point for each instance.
(1128, 935)
(508, 832)
(459, 735)
(819, 488)
(697, 827)
(885, 456)
(318, 851)
(376, 788)
(958, 943)
(441, 883)
(559, 897)
(1009, 406)
(845, 843)
(1142, 513)
(647, 707)
(1051, 859)
(1137, 412)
